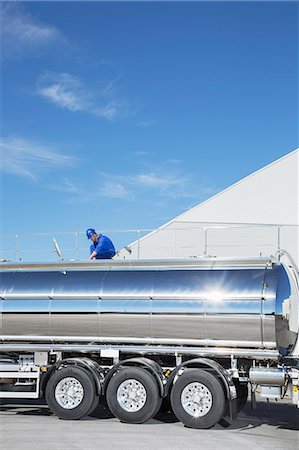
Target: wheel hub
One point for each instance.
(131, 395)
(196, 399)
(69, 393)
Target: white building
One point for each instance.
(255, 216)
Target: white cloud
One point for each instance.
(69, 92)
(167, 185)
(64, 90)
(28, 159)
(154, 180)
(115, 190)
(160, 184)
(110, 89)
(58, 94)
(151, 187)
(69, 186)
(113, 109)
(22, 33)
(86, 194)
(66, 186)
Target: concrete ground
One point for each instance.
(29, 425)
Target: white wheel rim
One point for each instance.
(196, 399)
(131, 395)
(69, 393)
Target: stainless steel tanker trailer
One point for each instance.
(196, 333)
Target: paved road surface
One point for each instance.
(29, 425)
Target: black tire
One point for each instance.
(89, 400)
(217, 406)
(152, 402)
(94, 405)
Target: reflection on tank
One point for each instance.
(247, 307)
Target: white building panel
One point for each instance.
(255, 216)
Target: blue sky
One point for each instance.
(124, 115)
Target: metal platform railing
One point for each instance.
(176, 239)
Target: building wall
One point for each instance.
(261, 201)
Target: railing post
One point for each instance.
(278, 237)
(17, 247)
(76, 246)
(138, 245)
(206, 242)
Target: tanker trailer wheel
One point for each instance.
(197, 399)
(133, 395)
(71, 393)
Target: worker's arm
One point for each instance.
(93, 255)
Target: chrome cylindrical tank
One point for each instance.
(203, 303)
(267, 376)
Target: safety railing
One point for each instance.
(176, 239)
(280, 255)
(64, 245)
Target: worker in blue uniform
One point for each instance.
(101, 247)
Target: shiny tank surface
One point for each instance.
(230, 303)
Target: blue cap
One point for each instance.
(90, 232)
